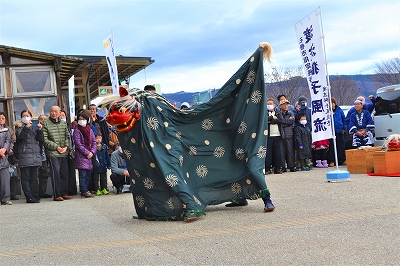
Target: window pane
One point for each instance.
(33, 81)
(37, 106)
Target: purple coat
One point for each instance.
(81, 153)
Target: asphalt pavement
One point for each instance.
(315, 223)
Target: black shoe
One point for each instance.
(269, 207)
(268, 172)
(292, 169)
(190, 217)
(237, 204)
(119, 190)
(45, 196)
(278, 172)
(284, 170)
(14, 198)
(32, 200)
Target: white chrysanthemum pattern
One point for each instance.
(128, 154)
(251, 77)
(148, 183)
(242, 127)
(152, 123)
(170, 204)
(219, 152)
(207, 124)
(192, 150)
(136, 172)
(171, 180)
(201, 171)
(140, 201)
(262, 152)
(236, 188)
(239, 153)
(256, 96)
(180, 160)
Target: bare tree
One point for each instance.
(387, 72)
(345, 90)
(289, 81)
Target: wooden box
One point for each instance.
(386, 162)
(360, 161)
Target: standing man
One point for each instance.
(43, 173)
(56, 143)
(99, 124)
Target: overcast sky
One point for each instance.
(199, 45)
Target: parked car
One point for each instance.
(387, 113)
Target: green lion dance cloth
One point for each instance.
(180, 161)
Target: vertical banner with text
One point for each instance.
(71, 98)
(108, 44)
(309, 40)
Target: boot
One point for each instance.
(269, 207)
(325, 164)
(319, 164)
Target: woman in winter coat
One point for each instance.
(5, 194)
(29, 155)
(85, 149)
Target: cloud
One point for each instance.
(198, 45)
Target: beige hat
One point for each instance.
(283, 102)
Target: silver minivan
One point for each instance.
(387, 113)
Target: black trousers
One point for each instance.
(288, 150)
(118, 180)
(43, 176)
(28, 180)
(72, 190)
(274, 151)
(59, 175)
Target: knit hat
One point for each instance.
(302, 99)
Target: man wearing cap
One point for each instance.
(304, 110)
(281, 97)
(118, 168)
(287, 123)
(361, 126)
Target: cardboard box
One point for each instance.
(386, 162)
(360, 161)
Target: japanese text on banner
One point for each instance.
(313, 57)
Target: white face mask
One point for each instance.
(120, 149)
(270, 107)
(303, 122)
(26, 119)
(64, 119)
(82, 123)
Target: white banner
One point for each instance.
(108, 44)
(71, 98)
(311, 47)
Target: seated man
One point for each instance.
(118, 168)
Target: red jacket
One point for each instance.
(321, 144)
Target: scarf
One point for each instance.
(86, 135)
